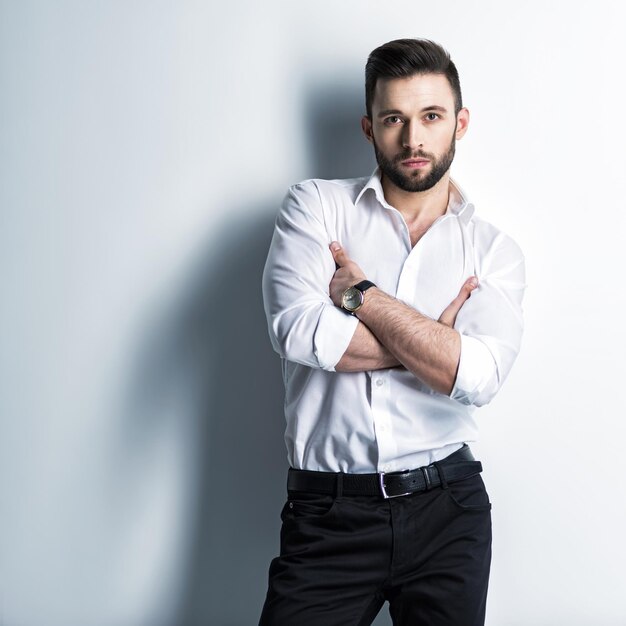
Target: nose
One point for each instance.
(411, 136)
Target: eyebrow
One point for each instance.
(433, 107)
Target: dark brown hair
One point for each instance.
(403, 58)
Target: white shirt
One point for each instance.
(385, 420)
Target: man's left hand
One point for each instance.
(347, 275)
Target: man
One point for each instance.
(396, 311)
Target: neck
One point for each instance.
(418, 206)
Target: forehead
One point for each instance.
(413, 92)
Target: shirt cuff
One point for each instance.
(476, 379)
(332, 337)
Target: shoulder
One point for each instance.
(319, 201)
(328, 192)
(488, 237)
(497, 254)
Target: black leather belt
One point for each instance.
(457, 466)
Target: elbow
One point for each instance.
(478, 377)
(478, 396)
(483, 398)
(294, 342)
(288, 345)
(316, 335)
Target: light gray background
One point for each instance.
(145, 147)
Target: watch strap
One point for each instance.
(364, 285)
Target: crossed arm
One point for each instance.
(392, 333)
(304, 327)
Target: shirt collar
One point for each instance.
(458, 203)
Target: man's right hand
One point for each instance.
(448, 317)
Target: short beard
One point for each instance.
(414, 181)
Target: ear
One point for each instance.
(366, 126)
(462, 122)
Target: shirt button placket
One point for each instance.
(381, 411)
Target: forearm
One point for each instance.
(365, 353)
(429, 349)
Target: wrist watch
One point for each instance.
(352, 298)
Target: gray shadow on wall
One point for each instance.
(237, 389)
(336, 145)
(238, 400)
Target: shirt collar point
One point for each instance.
(459, 205)
(373, 183)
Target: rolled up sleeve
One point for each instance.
(304, 325)
(491, 324)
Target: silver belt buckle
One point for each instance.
(386, 496)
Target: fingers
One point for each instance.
(468, 286)
(339, 254)
(448, 317)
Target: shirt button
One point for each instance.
(380, 382)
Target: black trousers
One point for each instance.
(428, 554)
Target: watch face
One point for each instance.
(352, 298)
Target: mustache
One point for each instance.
(420, 154)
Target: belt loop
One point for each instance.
(339, 485)
(444, 482)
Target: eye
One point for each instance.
(431, 117)
(392, 120)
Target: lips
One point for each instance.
(415, 163)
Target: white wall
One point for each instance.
(145, 147)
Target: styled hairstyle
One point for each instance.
(403, 58)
